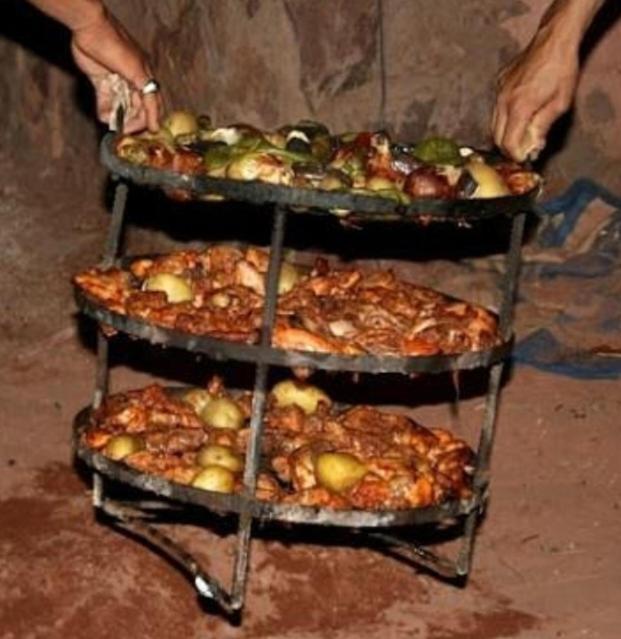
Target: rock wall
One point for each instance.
(270, 62)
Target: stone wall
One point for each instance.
(272, 61)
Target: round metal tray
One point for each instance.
(220, 349)
(224, 503)
(358, 208)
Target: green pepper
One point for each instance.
(438, 150)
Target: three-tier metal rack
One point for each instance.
(141, 515)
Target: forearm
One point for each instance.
(74, 14)
(568, 20)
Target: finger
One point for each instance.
(500, 122)
(512, 143)
(152, 107)
(135, 118)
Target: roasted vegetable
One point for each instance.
(121, 446)
(288, 277)
(489, 182)
(215, 478)
(214, 455)
(305, 396)
(197, 398)
(437, 150)
(338, 471)
(223, 412)
(175, 287)
(180, 123)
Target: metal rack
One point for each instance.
(140, 516)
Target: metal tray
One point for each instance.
(225, 504)
(220, 349)
(355, 207)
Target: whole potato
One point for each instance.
(288, 278)
(214, 455)
(305, 396)
(180, 123)
(338, 471)
(222, 412)
(215, 478)
(121, 446)
(176, 288)
(197, 398)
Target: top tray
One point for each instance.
(354, 207)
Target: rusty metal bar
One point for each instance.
(253, 453)
(486, 439)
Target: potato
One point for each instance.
(338, 471)
(198, 398)
(121, 446)
(220, 299)
(176, 288)
(305, 396)
(288, 277)
(214, 455)
(215, 478)
(181, 123)
(222, 412)
(490, 184)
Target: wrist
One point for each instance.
(566, 21)
(92, 16)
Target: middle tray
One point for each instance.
(220, 349)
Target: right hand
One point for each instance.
(533, 91)
(103, 48)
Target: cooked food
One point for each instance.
(222, 412)
(121, 446)
(356, 458)
(307, 155)
(294, 393)
(335, 310)
(174, 287)
(218, 479)
(338, 471)
(215, 455)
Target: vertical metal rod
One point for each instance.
(116, 225)
(253, 453)
(102, 371)
(486, 439)
(111, 250)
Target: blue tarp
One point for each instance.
(560, 217)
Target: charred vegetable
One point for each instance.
(489, 182)
(197, 398)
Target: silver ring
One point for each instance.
(151, 86)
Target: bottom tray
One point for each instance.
(235, 503)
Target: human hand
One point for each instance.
(103, 48)
(533, 91)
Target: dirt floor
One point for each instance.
(547, 556)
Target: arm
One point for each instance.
(539, 85)
(101, 47)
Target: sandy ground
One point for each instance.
(547, 557)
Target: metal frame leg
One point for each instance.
(486, 439)
(253, 453)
